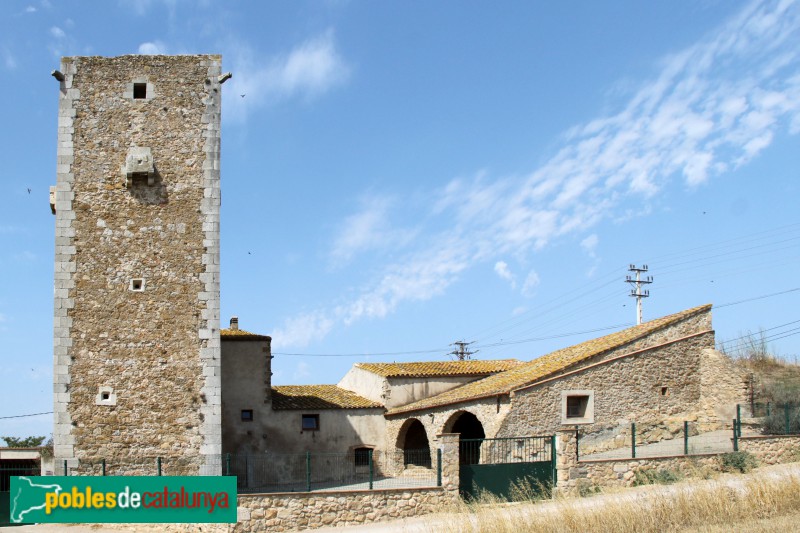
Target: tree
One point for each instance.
(27, 442)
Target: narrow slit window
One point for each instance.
(247, 415)
(664, 391)
(139, 91)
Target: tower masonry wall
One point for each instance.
(136, 338)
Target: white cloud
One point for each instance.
(153, 48)
(309, 70)
(502, 270)
(369, 229)
(714, 106)
(532, 281)
(302, 330)
(30, 9)
(57, 32)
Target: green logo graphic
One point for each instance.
(120, 499)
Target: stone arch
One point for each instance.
(470, 429)
(413, 440)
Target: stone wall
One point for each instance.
(722, 385)
(650, 385)
(137, 362)
(772, 449)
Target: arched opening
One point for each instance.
(471, 437)
(413, 440)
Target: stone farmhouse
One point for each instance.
(660, 370)
(142, 368)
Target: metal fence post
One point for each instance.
(553, 460)
(739, 418)
(308, 471)
(66, 472)
(685, 437)
(104, 467)
(438, 467)
(768, 409)
(371, 470)
(735, 437)
(786, 417)
(158, 464)
(633, 440)
(227, 464)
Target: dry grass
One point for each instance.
(757, 504)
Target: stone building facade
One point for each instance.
(136, 340)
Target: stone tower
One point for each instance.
(136, 340)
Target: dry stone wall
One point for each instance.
(652, 385)
(772, 449)
(137, 263)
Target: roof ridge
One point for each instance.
(521, 376)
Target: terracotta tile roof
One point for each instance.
(439, 368)
(240, 334)
(318, 397)
(546, 365)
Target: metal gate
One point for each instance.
(8, 469)
(508, 467)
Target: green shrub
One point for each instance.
(664, 476)
(738, 462)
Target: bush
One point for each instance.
(661, 477)
(742, 462)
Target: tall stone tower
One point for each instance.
(136, 340)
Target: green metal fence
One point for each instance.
(362, 469)
(771, 418)
(652, 440)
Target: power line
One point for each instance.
(756, 298)
(25, 416)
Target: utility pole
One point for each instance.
(461, 352)
(637, 292)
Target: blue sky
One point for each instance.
(401, 175)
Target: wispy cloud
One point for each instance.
(532, 281)
(589, 244)
(9, 61)
(57, 32)
(369, 229)
(714, 106)
(308, 70)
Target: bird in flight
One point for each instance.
(241, 95)
(29, 190)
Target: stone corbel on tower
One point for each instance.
(139, 163)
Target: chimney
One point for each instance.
(235, 323)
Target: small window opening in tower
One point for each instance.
(139, 91)
(105, 395)
(664, 391)
(137, 285)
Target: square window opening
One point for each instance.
(310, 422)
(137, 285)
(576, 406)
(247, 415)
(105, 395)
(139, 91)
(664, 391)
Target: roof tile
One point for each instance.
(439, 368)
(544, 366)
(318, 397)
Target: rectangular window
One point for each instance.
(576, 406)
(247, 415)
(361, 456)
(310, 422)
(139, 91)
